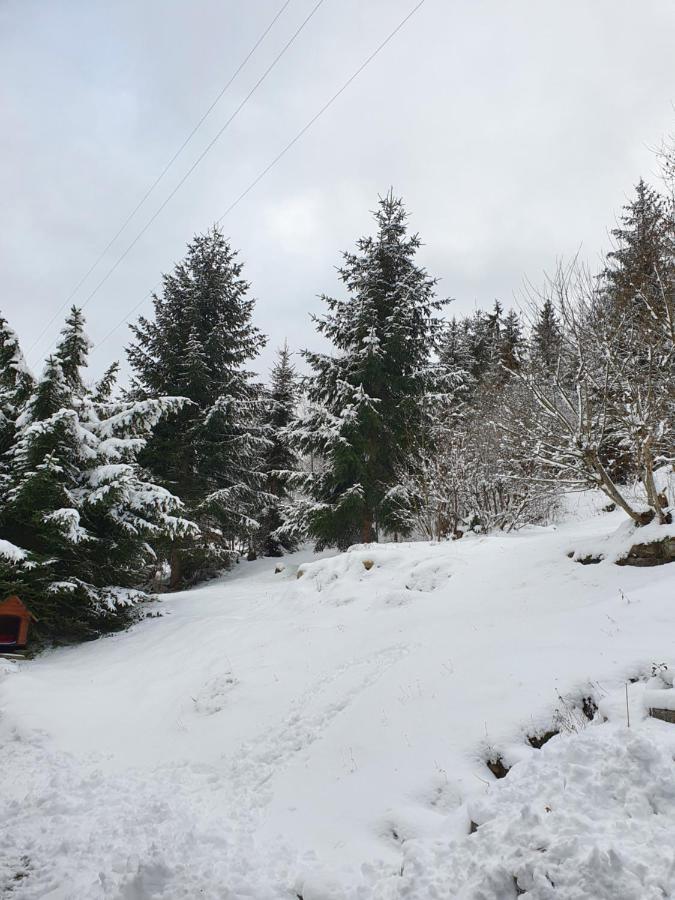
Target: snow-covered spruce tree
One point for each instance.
(16, 383)
(210, 453)
(511, 346)
(104, 387)
(485, 346)
(367, 398)
(276, 534)
(638, 267)
(469, 346)
(456, 355)
(634, 295)
(75, 502)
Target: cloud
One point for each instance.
(292, 222)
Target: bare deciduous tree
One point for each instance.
(613, 387)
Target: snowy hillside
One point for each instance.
(323, 733)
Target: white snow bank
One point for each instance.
(385, 574)
(580, 818)
(660, 699)
(617, 544)
(589, 816)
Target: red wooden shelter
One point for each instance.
(15, 621)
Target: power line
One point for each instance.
(321, 111)
(161, 175)
(282, 153)
(201, 156)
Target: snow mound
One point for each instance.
(581, 818)
(388, 573)
(617, 545)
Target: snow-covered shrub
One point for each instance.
(473, 475)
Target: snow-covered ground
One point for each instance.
(326, 736)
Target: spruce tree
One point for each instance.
(638, 267)
(106, 384)
(510, 348)
(483, 340)
(367, 399)
(281, 461)
(635, 309)
(455, 352)
(16, 382)
(484, 347)
(546, 338)
(480, 333)
(210, 453)
(76, 503)
(72, 350)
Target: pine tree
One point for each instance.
(210, 453)
(44, 463)
(282, 463)
(76, 503)
(367, 400)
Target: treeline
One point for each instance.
(413, 424)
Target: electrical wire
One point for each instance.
(161, 175)
(279, 156)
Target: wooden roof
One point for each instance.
(14, 606)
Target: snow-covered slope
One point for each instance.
(326, 735)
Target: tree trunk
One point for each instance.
(653, 498)
(367, 529)
(608, 486)
(176, 564)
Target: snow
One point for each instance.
(68, 521)
(323, 731)
(582, 818)
(11, 552)
(663, 699)
(617, 545)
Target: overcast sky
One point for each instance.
(513, 130)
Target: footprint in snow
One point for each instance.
(212, 698)
(442, 796)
